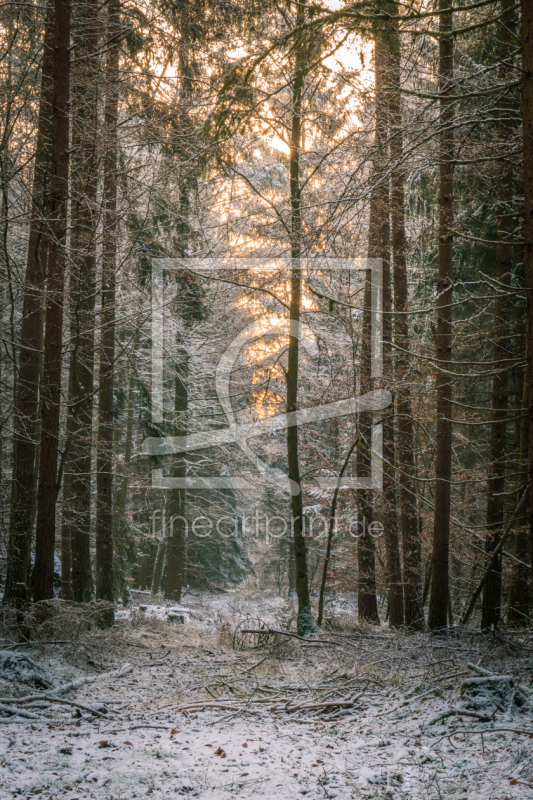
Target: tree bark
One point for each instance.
(158, 566)
(43, 574)
(176, 497)
(412, 556)
(527, 122)
(331, 530)
(26, 406)
(305, 623)
(83, 291)
(392, 545)
(291, 569)
(367, 606)
(492, 593)
(437, 617)
(518, 613)
(104, 460)
(76, 192)
(143, 571)
(78, 45)
(117, 508)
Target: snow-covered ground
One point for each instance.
(209, 711)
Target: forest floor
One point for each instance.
(201, 709)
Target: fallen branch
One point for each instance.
(19, 712)
(67, 687)
(50, 699)
(324, 704)
(344, 702)
(448, 676)
(36, 643)
(452, 712)
(202, 706)
(257, 664)
(305, 639)
(153, 727)
(480, 671)
(73, 704)
(520, 731)
(271, 631)
(159, 663)
(409, 701)
(43, 721)
(274, 704)
(241, 710)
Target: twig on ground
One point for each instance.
(67, 687)
(408, 702)
(19, 712)
(257, 664)
(36, 643)
(240, 711)
(136, 727)
(519, 731)
(305, 639)
(452, 712)
(202, 706)
(160, 662)
(50, 699)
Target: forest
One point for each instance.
(266, 394)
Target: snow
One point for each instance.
(20, 668)
(485, 693)
(382, 747)
(157, 611)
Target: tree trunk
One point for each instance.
(518, 613)
(158, 566)
(143, 571)
(176, 497)
(76, 194)
(43, 574)
(83, 290)
(104, 460)
(292, 571)
(492, 593)
(443, 466)
(392, 545)
(117, 508)
(331, 530)
(305, 623)
(367, 602)
(412, 557)
(68, 512)
(26, 407)
(527, 122)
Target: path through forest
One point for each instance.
(174, 709)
